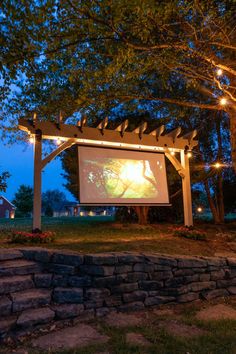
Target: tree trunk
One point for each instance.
(142, 213)
(213, 208)
(232, 119)
(219, 194)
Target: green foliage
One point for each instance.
(23, 201)
(190, 233)
(3, 181)
(52, 200)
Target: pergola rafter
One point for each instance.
(118, 138)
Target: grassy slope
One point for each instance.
(101, 234)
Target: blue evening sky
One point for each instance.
(18, 161)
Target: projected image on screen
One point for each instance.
(119, 177)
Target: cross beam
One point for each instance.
(119, 138)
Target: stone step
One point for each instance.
(15, 283)
(8, 254)
(18, 267)
(29, 318)
(34, 298)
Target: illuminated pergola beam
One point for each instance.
(88, 135)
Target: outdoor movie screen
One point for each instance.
(109, 176)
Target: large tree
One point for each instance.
(92, 56)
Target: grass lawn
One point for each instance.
(103, 234)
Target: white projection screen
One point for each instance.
(121, 177)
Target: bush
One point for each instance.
(29, 237)
(190, 233)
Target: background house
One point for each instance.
(7, 209)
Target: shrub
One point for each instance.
(190, 233)
(29, 237)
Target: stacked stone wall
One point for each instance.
(39, 286)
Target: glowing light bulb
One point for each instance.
(172, 153)
(199, 209)
(223, 101)
(219, 72)
(31, 140)
(58, 141)
(189, 154)
(217, 165)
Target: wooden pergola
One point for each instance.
(118, 138)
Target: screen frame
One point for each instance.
(123, 203)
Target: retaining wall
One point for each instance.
(38, 286)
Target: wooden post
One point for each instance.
(37, 182)
(186, 186)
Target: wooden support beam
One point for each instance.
(174, 134)
(190, 136)
(157, 132)
(140, 129)
(82, 123)
(102, 125)
(122, 127)
(186, 186)
(176, 163)
(37, 204)
(67, 144)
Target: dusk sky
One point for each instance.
(18, 161)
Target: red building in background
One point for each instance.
(7, 209)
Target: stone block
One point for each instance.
(123, 268)
(79, 281)
(62, 269)
(68, 258)
(192, 263)
(5, 306)
(97, 270)
(130, 258)
(60, 280)
(144, 267)
(68, 295)
(183, 272)
(64, 311)
(159, 268)
(136, 276)
(100, 259)
(93, 304)
(204, 277)
(9, 254)
(15, 283)
(217, 262)
(150, 285)
(217, 275)
(19, 267)
(34, 298)
(138, 295)
(43, 280)
(162, 275)
(113, 301)
(191, 278)
(158, 300)
(187, 297)
(125, 288)
(94, 293)
(31, 317)
(174, 282)
(107, 282)
(132, 306)
(212, 294)
(37, 254)
(161, 260)
(205, 285)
